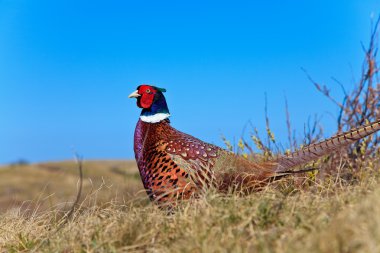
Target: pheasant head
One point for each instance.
(153, 103)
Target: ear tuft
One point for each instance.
(161, 89)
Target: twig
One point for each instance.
(79, 161)
(288, 124)
(67, 217)
(323, 89)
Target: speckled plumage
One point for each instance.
(160, 149)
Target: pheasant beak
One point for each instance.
(135, 94)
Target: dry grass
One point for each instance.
(50, 185)
(328, 216)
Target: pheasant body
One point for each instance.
(160, 150)
(174, 165)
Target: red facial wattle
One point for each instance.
(146, 101)
(147, 96)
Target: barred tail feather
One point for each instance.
(317, 150)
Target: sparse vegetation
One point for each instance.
(49, 186)
(329, 217)
(333, 211)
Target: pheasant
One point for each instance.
(174, 165)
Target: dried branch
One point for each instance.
(288, 125)
(79, 161)
(361, 105)
(323, 89)
(68, 216)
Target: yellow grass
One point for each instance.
(56, 183)
(117, 217)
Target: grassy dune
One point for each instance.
(47, 185)
(115, 216)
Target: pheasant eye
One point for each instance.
(148, 91)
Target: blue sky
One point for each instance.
(67, 67)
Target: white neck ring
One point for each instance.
(155, 118)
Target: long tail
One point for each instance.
(317, 150)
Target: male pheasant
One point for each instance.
(174, 165)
